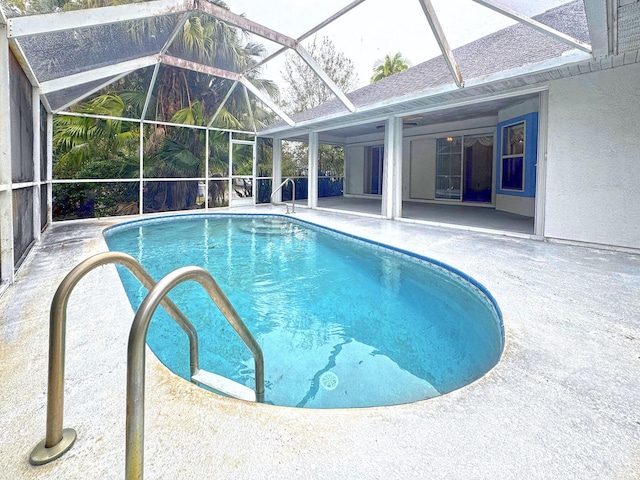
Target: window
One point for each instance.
(512, 158)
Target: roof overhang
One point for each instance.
(513, 83)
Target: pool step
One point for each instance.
(268, 227)
(224, 385)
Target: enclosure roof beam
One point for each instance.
(541, 27)
(447, 53)
(267, 101)
(245, 24)
(222, 104)
(246, 99)
(198, 67)
(325, 78)
(97, 74)
(306, 35)
(601, 14)
(166, 46)
(152, 84)
(18, 52)
(53, 22)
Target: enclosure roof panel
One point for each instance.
(507, 50)
(68, 52)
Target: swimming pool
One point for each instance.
(342, 322)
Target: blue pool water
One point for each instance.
(341, 322)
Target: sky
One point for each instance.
(376, 28)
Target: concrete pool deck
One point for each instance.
(564, 402)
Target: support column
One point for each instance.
(206, 169)
(141, 169)
(277, 169)
(50, 168)
(37, 158)
(6, 193)
(541, 164)
(312, 199)
(392, 177)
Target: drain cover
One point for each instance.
(329, 380)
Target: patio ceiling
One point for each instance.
(339, 135)
(71, 55)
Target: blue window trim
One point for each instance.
(530, 154)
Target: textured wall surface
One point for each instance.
(593, 169)
(354, 170)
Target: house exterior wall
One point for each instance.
(354, 170)
(593, 160)
(420, 160)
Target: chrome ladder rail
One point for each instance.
(293, 195)
(136, 355)
(58, 441)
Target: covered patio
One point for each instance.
(457, 216)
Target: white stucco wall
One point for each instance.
(519, 205)
(593, 163)
(422, 166)
(354, 170)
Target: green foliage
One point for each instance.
(80, 142)
(95, 148)
(389, 66)
(306, 90)
(295, 159)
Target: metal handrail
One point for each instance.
(57, 441)
(136, 355)
(293, 194)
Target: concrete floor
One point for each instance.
(470, 216)
(562, 403)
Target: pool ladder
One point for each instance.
(293, 195)
(58, 440)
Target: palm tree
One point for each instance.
(80, 140)
(390, 66)
(180, 96)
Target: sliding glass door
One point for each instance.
(478, 168)
(464, 168)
